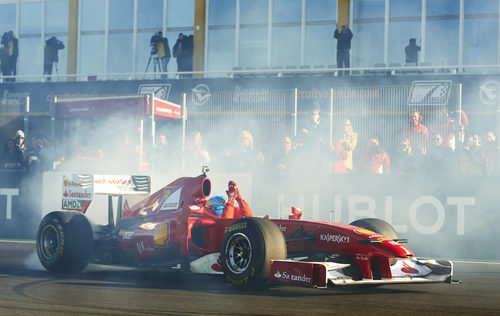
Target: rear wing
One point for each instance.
(78, 189)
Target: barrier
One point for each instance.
(19, 197)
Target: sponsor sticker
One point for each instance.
(200, 94)
(340, 239)
(361, 256)
(238, 226)
(407, 269)
(172, 200)
(75, 189)
(286, 276)
(71, 204)
(161, 91)
(141, 248)
(127, 235)
(162, 235)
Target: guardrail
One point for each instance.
(262, 71)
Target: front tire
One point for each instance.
(64, 242)
(248, 247)
(378, 226)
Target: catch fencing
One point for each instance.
(271, 114)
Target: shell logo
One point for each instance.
(161, 235)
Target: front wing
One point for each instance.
(320, 274)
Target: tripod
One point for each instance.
(156, 62)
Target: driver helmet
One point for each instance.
(216, 203)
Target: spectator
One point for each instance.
(314, 127)
(417, 134)
(38, 157)
(183, 51)
(471, 157)
(374, 160)
(288, 156)
(313, 135)
(344, 38)
(447, 127)
(338, 157)
(195, 155)
(4, 57)
(163, 159)
(189, 55)
(411, 52)
(404, 161)
(349, 142)
(160, 47)
(11, 44)
(245, 156)
(12, 158)
(51, 52)
(490, 153)
(20, 140)
(440, 158)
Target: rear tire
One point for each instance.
(248, 247)
(64, 242)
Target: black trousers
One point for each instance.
(343, 58)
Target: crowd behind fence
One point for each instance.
(380, 130)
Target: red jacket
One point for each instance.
(374, 161)
(418, 136)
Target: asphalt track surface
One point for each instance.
(26, 289)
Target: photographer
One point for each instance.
(52, 47)
(160, 48)
(411, 52)
(344, 38)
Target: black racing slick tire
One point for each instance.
(64, 242)
(378, 226)
(248, 247)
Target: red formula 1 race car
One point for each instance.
(175, 227)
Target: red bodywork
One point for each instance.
(174, 223)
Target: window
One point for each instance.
(121, 15)
(320, 46)
(92, 15)
(481, 32)
(92, 54)
(405, 20)
(56, 17)
(7, 17)
(253, 33)
(442, 32)
(221, 35)
(368, 28)
(120, 53)
(150, 15)
(31, 18)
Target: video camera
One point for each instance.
(155, 40)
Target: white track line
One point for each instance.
(18, 241)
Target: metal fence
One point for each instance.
(272, 114)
